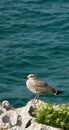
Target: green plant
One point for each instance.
(50, 115)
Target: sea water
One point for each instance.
(34, 38)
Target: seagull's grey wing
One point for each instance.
(43, 88)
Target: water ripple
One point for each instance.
(34, 38)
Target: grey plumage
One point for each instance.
(39, 87)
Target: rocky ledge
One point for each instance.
(20, 118)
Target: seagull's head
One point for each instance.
(31, 76)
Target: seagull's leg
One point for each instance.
(35, 100)
(36, 97)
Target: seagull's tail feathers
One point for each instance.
(57, 92)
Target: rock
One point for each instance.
(9, 118)
(36, 126)
(6, 105)
(28, 122)
(13, 117)
(21, 118)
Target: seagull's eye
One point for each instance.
(31, 76)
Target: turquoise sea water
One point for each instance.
(34, 38)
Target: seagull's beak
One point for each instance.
(25, 77)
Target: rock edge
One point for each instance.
(20, 118)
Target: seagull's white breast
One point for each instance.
(30, 85)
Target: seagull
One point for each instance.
(39, 87)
